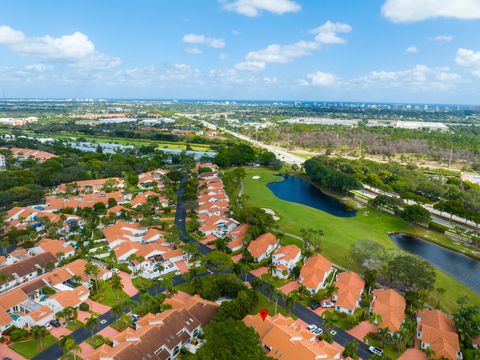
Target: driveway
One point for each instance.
(97, 307)
(289, 287)
(5, 351)
(237, 258)
(413, 354)
(182, 266)
(259, 272)
(109, 332)
(128, 286)
(362, 329)
(83, 316)
(87, 349)
(60, 331)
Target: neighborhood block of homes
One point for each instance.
(40, 282)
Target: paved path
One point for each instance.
(305, 314)
(82, 334)
(128, 286)
(5, 351)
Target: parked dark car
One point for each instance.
(314, 306)
(55, 323)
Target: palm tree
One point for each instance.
(91, 323)
(116, 310)
(328, 322)
(289, 303)
(39, 332)
(272, 268)
(92, 270)
(440, 291)
(237, 269)
(69, 345)
(117, 285)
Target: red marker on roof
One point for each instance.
(263, 313)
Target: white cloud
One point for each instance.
(282, 53)
(235, 32)
(420, 77)
(76, 49)
(193, 50)
(441, 38)
(412, 50)
(418, 10)
(252, 66)
(10, 36)
(469, 59)
(223, 56)
(39, 67)
(319, 79)
(275, 53)
(270, 80)
(327, 33)
(254, 8)
(216, 43)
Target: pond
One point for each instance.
(300, 191)
(461, 267)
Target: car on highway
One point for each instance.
(375, 350)
(314, 306)
(327, 304)
(312, 327)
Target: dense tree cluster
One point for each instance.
(409, 181)
(26, 182)
(325, 174)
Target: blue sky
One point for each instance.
(346, 50)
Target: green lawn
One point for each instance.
(263, 303)
(109, 296)
(30, 348)
(74, 325)
(341, 233)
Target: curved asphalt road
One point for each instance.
(300, 311)
(82, 334)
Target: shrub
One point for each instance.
(84, 307)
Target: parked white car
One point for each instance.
(327, 304)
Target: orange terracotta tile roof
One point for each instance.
(55, 247)
(4, 317)
(259, 246)
(289, 341)
(12, 298)
(313, 271)
(289, 252)
(40, 313)
(390, 305)
(36, 154)
(349, 289)
(438, 330)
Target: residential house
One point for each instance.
(90, 186)
(68, 298)
(349, 288)
(23, 217)
(282, 338)
(263, 246)
(285, 259)
(436, 330)
(25, 270)
(315, 272)
(237, 237)
(57, 248)
(390, 306)
(24, 154)
(82, 201)
(161, 336)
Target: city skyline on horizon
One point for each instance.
(286, 50)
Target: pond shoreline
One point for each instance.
(347, 200)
